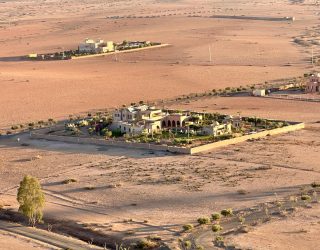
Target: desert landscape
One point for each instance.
(100, 197)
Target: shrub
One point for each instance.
(203, 220)
(90, 188)
(199, 247)
(188, 244)
(14, 127)
(215, 216)
(227, 212)
(305, 197)
(216, 228)
(187, 227)
(106, 132)
(219, 238)
(146, 244)
(67, 181)
(315, 184)
(241, 219)
(219, 241)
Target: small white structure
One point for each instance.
(259, 92)
(217, 129)
(235, 121)
(98, 46)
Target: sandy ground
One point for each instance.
(151, 189)
(243, 52)
(301, 231)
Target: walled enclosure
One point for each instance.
(43, 134)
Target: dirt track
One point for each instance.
(45, 237)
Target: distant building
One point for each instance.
(235, 121)
(32, 55)
(98, 46)
(259, 92)
(313, 86)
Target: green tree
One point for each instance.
(31, 199)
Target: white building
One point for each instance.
(217, 129)
(259, 92)
(137, 119)
(98, 46)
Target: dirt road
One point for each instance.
(45, 237)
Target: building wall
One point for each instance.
(173, 120)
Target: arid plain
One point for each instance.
(138, 193)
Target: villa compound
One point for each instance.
(144, 119)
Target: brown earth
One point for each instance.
(243, 52)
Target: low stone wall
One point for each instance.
(43, 134)
(218, 144)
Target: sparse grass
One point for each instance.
(187, 227)
(154, 237)
(242, 191)
(67, 181)
(130, 232)
(227, 212)
(244, 229)
(203, 220)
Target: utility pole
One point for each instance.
(210, 56)
(312, 61)
(115, 56)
